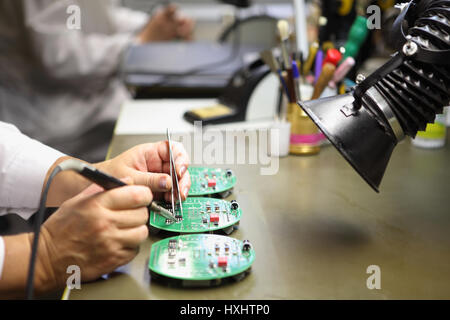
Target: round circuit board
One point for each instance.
(208, 181)
(201, 257)
(200, 215)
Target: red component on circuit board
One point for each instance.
(211, 182)
(222, 261)
(214, 217)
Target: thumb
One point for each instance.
(157, 182)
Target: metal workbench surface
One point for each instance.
(316, 227)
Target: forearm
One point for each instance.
(15, 268)
(64, 186)
(68, 184)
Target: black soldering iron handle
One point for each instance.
(102, 179)
(109, 182)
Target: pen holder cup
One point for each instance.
(305, 137)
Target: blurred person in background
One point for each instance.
(62, 86)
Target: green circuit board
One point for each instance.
(199, 215)
(200, 257)
(208, 181)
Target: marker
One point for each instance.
(333, 56)
(296, 75)
(283, 29)
(318, 64)
(311, 57)
(270, 60)
(356, 37)
(342, 71)
(325, 77)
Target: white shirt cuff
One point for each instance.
(25, 175)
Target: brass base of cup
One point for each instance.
(303, 149)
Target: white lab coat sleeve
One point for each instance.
(68, 53)
(24, 164)
(127, 20)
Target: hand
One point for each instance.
(148, 165)
(97, 231)
(167, 25)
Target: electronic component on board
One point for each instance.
(202, 269)
(214, 217)
(211, 181)
(173, 244)
(246, 245)
(196, 215)
(222, 262)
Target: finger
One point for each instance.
(180, 157)
(127, 180)
(159, 161)
(185, 27)
(167, 197)
(185, 185)
(127, 197)
(95, 188)
(157, 182)
(125, 219)
(91, 190)
(132, 237)
(125, 255)
(170, 10)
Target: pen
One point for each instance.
(342, 71)
(268, 57)
(333, 56)
(283, 29)
(310, 59)
(318, 65)
(296, 75)
(322, 82)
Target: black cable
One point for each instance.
(37, 229)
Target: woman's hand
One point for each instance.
(167, 25)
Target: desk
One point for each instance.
(316, 227)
